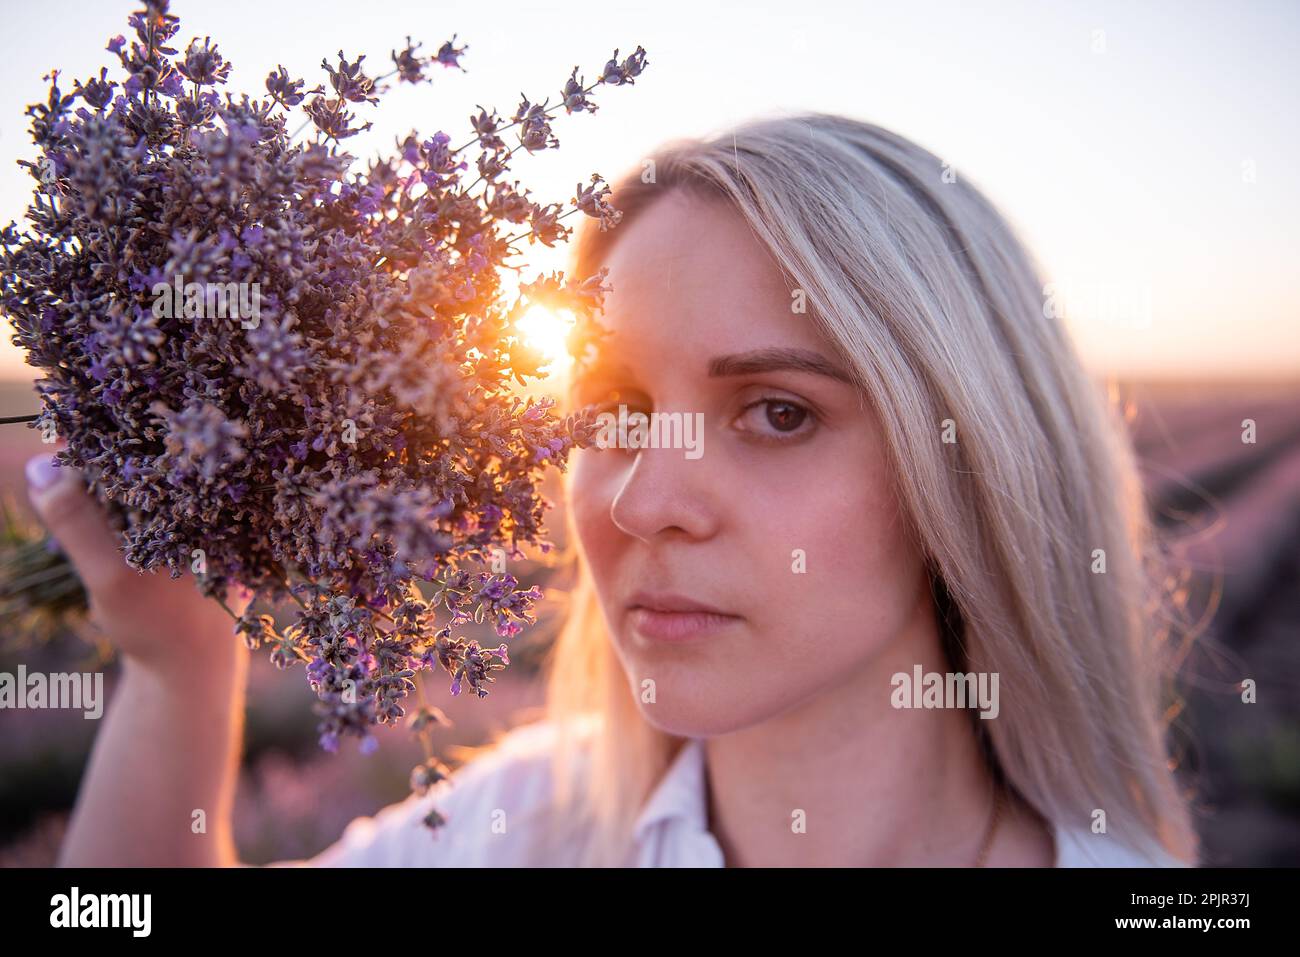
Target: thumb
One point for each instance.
(75, 519)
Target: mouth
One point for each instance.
(662, 616)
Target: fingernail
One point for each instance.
(41, 472)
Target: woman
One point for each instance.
(894, 607)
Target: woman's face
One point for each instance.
(780, 515)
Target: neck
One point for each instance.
(877, 786)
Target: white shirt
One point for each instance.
(496, 805)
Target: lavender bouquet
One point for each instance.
(285, 375)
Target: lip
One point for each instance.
(663, 616)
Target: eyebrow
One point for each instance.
(776, 360)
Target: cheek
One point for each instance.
(590, 494)
(839, 560)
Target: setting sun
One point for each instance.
(547, 331)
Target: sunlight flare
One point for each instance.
(547, 330)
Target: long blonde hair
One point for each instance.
(927, 295)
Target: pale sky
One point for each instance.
(1145, 151)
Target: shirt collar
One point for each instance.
(681, 797)
(681, 793)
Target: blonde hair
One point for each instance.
(926, 294)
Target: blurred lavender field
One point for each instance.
(1231, 510)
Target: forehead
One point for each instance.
(690, 270)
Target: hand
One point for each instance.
(161, 622)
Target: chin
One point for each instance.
(696, 714)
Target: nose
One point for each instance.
(664, 493)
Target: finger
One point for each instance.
(75, 519)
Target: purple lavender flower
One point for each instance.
(354, 453)
(201, 439)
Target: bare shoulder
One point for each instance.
(499, 810)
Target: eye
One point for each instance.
(776, 420)
(612, 400)
(618, 407)
(600, 399)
